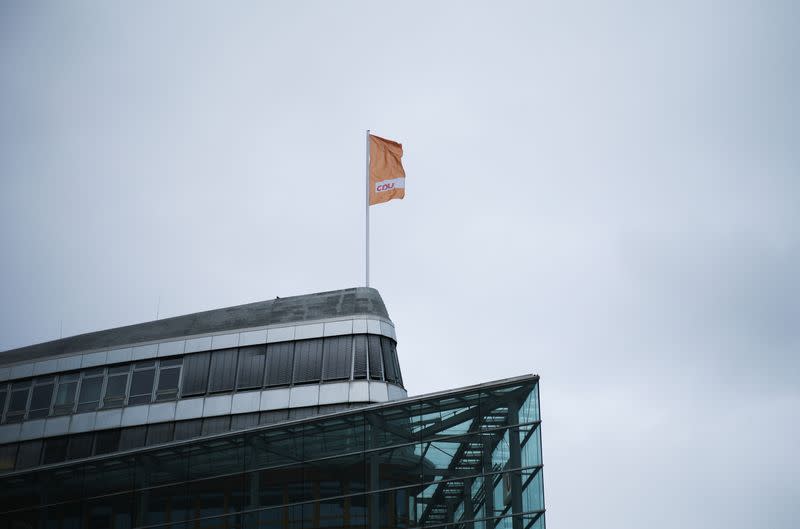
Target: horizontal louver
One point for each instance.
(375, 369)
(223, 370)
(280, 360)
(251, 367)
(307, 361)
(360, 356)
(337, 357)
(195, 373)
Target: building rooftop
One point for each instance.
(295, 309)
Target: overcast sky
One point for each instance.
(604, 193)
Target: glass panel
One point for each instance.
(18, 401)
(307, 361)
(195, 374)
(212, 425)
(337, 357)
(280, 359)
(223, 370)
(375, 367)
(360, 359)
(188, 429)
(251, 367)
(41, 398)
(91, 385)
(107, 441)
(3, 394)
(65, 393)
(388, 359)
(244, 420)
(169, 372)
(55, 450)
(116, 385)
(132, 437)
(160, 433)
(142, 383)
(29, 454)
(80, 446)
(8, 456)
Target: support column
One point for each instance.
(469, 511)
(374, 497)
(488, 481)
(515, 461)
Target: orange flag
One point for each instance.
(387, 179)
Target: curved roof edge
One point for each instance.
(308, 307)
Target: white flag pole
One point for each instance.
(366, 204)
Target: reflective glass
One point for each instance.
(360, 356)
(160, 433)
(188, 429)
(195, 374)
(8, 456)
(29, 454)
(223, 370)
(389, 357)
(80, 446)
(337, 357)
(65, 393)
(55, 450)
(375, 364)
(133, 437)
(212, 425)
(18, 401)
(41, 398)
(91, 385)
(244, 420)
(142, 383)
(107, 441)
(116, 385)
(307, 361)
(280, 361)
(169, 372)
(251, 367)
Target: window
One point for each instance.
(18, 401)
(29, 454)
(212, 425)
(55, 450)
(251, 367)
(3, 394)
(307, 361)
(375, 369)
(106, 441)
(8, 455)
(132, 437)
(360, 356)
(116, 386)
(223, 370)
(80, 446)
(65, 394)
(337, 357)
(188, 429)
(142, 383)
(41, 397)
(160, 433)
(169, 372)
(280, 359)
(91, 386)
(389, 359)
(244, 420)
(195, 374)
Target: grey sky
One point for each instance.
(604, 193)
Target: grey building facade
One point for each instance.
(288, 413)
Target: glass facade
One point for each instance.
(467, 458)
(221, 371)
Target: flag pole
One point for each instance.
(366, 207)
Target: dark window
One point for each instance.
(251, 367)
(360, 358)
(41, 397)
(8, 456)
(55, 450)
(212, 425)
(389, 359)
(142, 383)
(80, 446)
(107, 441)
(244, 420)
(29, 454)
(188, 429)
(271, 417)
(223, 370)
(116, 385)
(18, 401)
(337, 357)
(132, 437)
(65, 394)
(195, 374)
(169, 372)
(91, 385)
(3, 393)
(375, 369)
(302, 413)
(280, 359)
(160, 433)
(307, 361)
